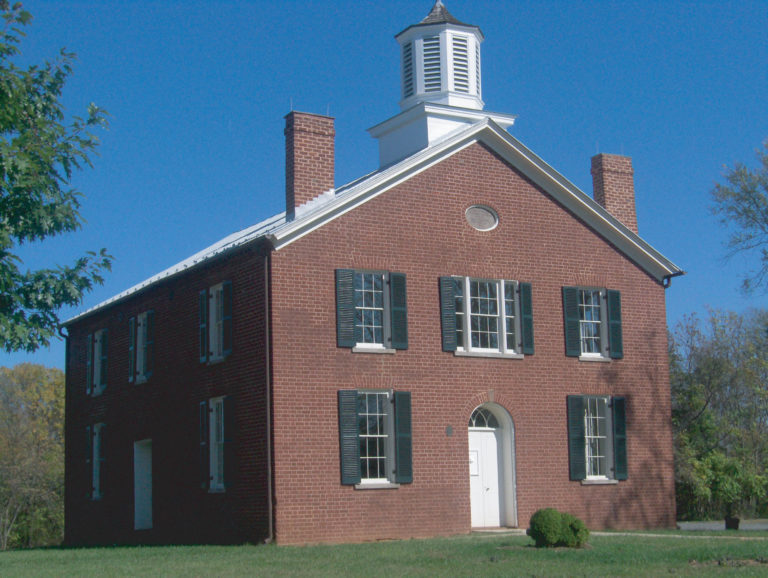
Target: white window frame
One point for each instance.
(216, 322)
(387, 435)
(97, 458)
(585, 335)
(598, 446)
(216, 444)
(386, 324)
(464, 319)
(97, 387)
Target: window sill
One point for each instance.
(215, 360)
(369, 349)
(599, 482)
(597, 358)
(462, 353)
(216, 490)
(377, 486)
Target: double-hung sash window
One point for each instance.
(215, 322)
(371, 310)
(141, 347)
(95, 459)
(217, 458)
(486, 316)
(593, 326)
(597, 438)
(375, 437)
(96, 362)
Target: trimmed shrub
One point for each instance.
(546, 527)
(551, 528)
(575, 532)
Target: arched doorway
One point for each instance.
(492, 467)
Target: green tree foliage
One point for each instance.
(31, 456)
(742, 202)
(719, 379)
(39, 153)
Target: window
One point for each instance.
(217, 458)
(592, 323)
(141, 346)
(486, 316)
(96, 363)
(371, 310)
(375, 437)
(216, 322)
(95, 458)
(597, 438)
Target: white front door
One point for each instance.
(142, 485)
(484, 486)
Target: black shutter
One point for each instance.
(203, 326)
(526, 318)
(104, 351)
(101, 458)
(448, 313)
(349, 443)
(230, 461)
(615, 340)
(577, 450)
(403, 449)
(131, 349)
(398, 311)
(226, 320)
(620, 439)
(89, 365)
(204, 456)
(345, 308)
(571, 316)
(149, 345)
(89, 460)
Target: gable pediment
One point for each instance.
(516, 155)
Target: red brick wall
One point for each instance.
(418, 228)
(309, 157)
(165, 409)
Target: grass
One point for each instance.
(670, 554)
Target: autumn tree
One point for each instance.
(31, 456)
(40, 151)
(741, 202)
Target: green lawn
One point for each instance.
(674, 554)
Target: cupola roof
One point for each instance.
(439, 15)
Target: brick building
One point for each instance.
(453, 341)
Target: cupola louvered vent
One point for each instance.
(407, 70)
(460, 64)
(478, 84)
(432, 73)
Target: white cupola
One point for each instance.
(440, 61)
(441, 86)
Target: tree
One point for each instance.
(719, 379)
(39, 153)
(31, 456)
(742, 202)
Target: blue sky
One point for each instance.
(197, 92)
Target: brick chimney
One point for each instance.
(309, 158)
(614, 187)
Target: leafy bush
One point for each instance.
(575, 532)
(551, 528)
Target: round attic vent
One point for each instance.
(482, 218)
